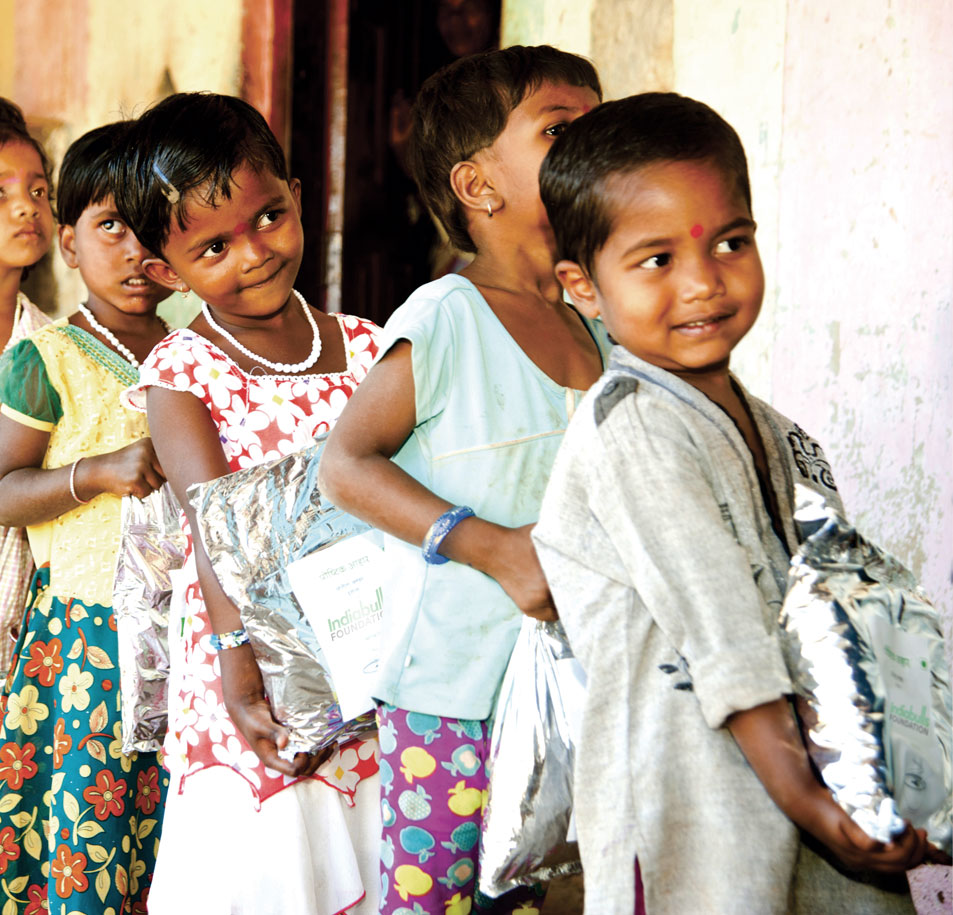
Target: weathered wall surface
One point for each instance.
(846, 112)
(864, 319)
(72, 65)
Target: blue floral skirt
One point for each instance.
(79, 819)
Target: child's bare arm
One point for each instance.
(30, 494)
(188, 444)
(768, 736)
(358, 475)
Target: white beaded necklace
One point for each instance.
(283, 367)
(111, 338)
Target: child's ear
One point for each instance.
(295, 186)
(473, 189)
(67, 237)
(161, 272)
(579, 285)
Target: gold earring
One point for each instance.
(489, 209)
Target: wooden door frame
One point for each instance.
(267, 61)
(267, 68)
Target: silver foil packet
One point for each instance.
(526, 836)
(254, 523)
(152, 548)
(865, 651)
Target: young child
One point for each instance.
(257, 375)
(26, 233)
(80, 820)
(665, 535)
(447, 447)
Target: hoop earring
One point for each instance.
(489, 209)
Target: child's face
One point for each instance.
(679, 281)
(242, 254)
(26, 219)
(512, 162)
(109, 258)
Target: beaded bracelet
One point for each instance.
(222, 640)
(439, 530)
(72, 484)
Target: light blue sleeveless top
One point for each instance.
(489, 422)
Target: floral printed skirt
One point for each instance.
(79, 820)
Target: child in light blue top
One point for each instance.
(489, 424)
(478, 377)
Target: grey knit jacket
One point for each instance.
(668, 577)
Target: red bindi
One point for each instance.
(696, 231)
(240, 229)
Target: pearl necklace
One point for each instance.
(112, 339)
(283, 367)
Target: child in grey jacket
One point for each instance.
(665, 535)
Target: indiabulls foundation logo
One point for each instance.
(357, 617)
(905, 716)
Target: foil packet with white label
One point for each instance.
(528, 834)
(152, 548)
(254, 523)
(866, 654)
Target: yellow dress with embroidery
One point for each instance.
(79, 820)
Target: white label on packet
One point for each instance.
(912, 749)
(341, 593)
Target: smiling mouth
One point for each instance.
(138, 283)
(704, 323)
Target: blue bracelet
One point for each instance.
(222, 640)
(439, 530)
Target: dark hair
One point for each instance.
(87, 175)
(619, 138)
(189, 143)
(464, 107)
(13, 129)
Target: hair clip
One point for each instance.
(169, 190)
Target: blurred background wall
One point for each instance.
(75, 65)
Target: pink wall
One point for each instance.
(51, 38)
(862, 350)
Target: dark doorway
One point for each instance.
(309, 139)
(387, 238)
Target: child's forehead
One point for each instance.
(634, 188)
(551, 96)
(240, 188)
(227, 204)
(106, 203)
(17, 155)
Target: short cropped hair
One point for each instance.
(13, 129)
(464, 107)
(87, 174)
(190, 143)
(622, 137)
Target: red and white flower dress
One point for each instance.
(259, 418)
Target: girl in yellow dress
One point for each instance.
(79, 820)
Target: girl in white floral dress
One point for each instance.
(256, 376)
